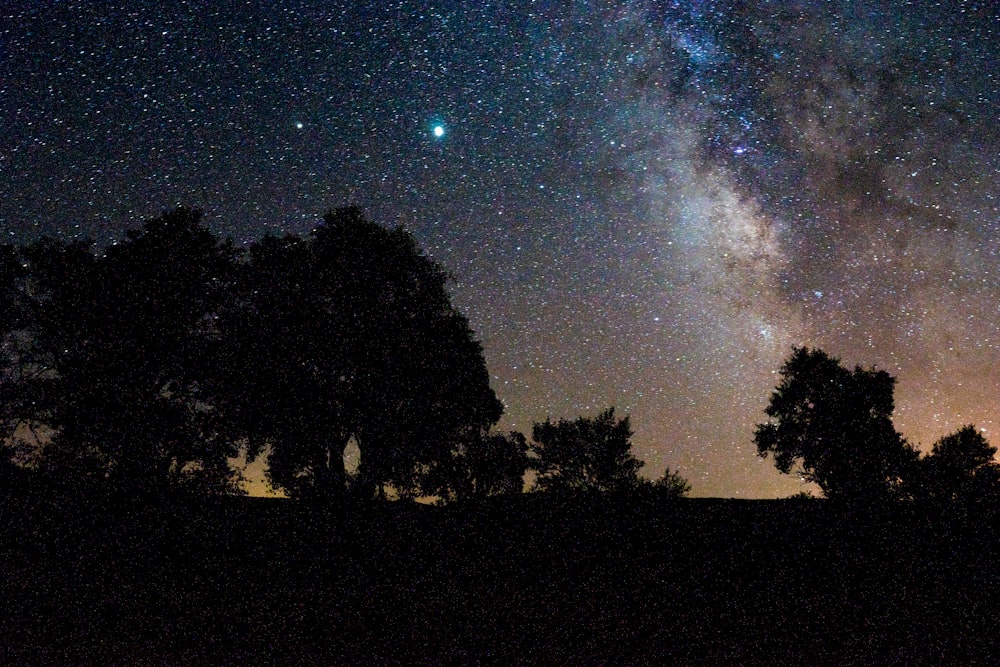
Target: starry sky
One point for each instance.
(644, 204)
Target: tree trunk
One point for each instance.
(331, 477)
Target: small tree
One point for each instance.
(588, 454)
(960, 467)
(835, 425)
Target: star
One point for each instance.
(733, 172)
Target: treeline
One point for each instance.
(833, 426)
(147, 366)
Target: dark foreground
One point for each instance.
(525, 581)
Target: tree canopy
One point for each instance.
(587, 454)
(150, 363)
(479, 466)
(350, 333)
(835, 427)
(960, 468)
(107, 355)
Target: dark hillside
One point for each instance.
(533, 579)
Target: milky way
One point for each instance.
(644, 204)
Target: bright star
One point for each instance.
(298, 125)
(438, 131)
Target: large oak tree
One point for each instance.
(350, 334)
(834, 426)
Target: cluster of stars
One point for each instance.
(644, 204)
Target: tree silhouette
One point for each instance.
(960, 468)
(278, 372)
(350, 334)
(497, 463)
(12, 365)
(588, 454)
(12, 274)
(479, 466)
(110, 354)
(148, 365)
(43, 285)
(836, 425)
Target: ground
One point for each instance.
(532, 579)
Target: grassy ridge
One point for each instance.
(526, 580)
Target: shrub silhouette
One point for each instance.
(671, 484)
(588, 454)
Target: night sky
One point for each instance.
(644, 204)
